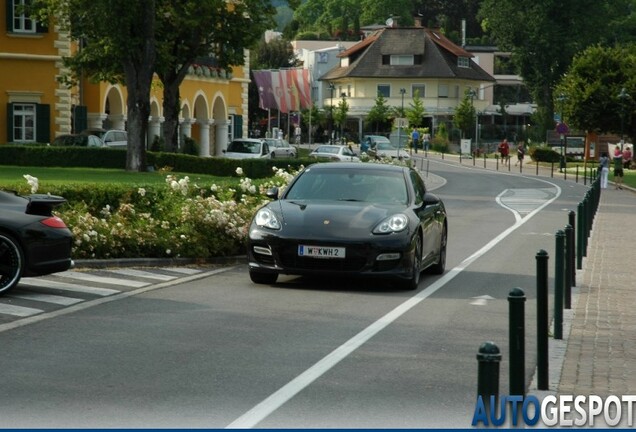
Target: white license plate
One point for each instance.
(321, 251)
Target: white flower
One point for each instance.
(214, 188)
(141, 191)
(239, 171)
(33, 182)
(168, 251)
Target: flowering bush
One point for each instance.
(184, 220)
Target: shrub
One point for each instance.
(544, 153)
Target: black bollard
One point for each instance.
(517, 340)
(559, 278)
(569, 253)
(542, 321)
(572, 222)
(580, 232)
(488, 359)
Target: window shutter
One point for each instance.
(238, 126)
(9, 120)
(80, 118)
(43, 123)
(9, 5)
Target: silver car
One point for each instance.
(281, 148)
(246, 148)
(335, 153)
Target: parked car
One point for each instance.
(78, 140)
(350, 219)
(245, 148)
(33, 242)
(281, 148)
(381, 147)
(112, 137)
(335, 153)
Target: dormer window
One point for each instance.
(463, 62)
(402, 60)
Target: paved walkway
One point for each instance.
(597, 355)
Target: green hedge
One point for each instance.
(91, 157)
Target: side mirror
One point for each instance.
(430, 199)
(272, 193)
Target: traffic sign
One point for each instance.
(562, 128)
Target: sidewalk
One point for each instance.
(597, 355)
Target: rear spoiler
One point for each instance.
(42, 204)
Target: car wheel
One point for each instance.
(11, 263)
(414, 281)
(263, 278)
(440, 266)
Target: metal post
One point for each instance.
(517, 340)
(569, 254)
(488, 358)
(572, 222)
(580, 232)
(542, 320)
(559, 277)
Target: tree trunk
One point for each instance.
(171, 81)
(139, 71)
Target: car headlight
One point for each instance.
(395, 223)
(266, 218)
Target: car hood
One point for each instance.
(338, 219)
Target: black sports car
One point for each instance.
(350, 219)
(33, 242)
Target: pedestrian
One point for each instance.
(618, 167)
(603, 166)
(427, 140)
(504, 150)
(521, 153)
(415, 139)
(627, 157)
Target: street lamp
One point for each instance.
(331, 88)
(623, 96)
(471, 94)
(561, 98)
(344, 118)
(402, 92)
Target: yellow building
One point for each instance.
(37, 107)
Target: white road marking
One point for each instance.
(45, 283)
(143, 274)
(262, 410)
(522, 202)
(102, 279)
(20, 311)
(46, 298)
(184, 270)
(481, 300)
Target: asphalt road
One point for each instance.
(212, 350)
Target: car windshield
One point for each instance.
(351, 185)
(327, 149)
(244, 147)
(385, 145)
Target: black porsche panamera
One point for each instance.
(33, 242)
(350, 219)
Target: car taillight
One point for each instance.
(53, 222)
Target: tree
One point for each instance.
(464, 117)
(380, 113)
(592, 87)
(121, 32)
(544, 36)
(416, 113)
(340, 114)
(209, 30)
